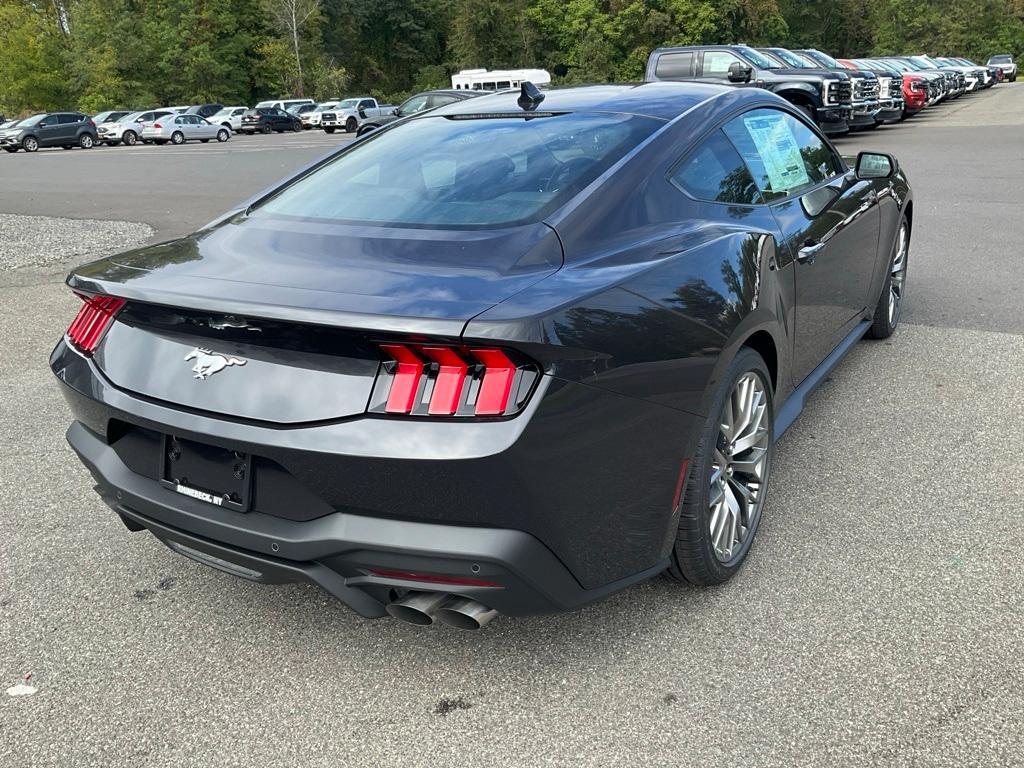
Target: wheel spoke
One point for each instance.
(752, 464)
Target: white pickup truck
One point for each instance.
(351, 113)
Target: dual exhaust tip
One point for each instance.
(424, 608)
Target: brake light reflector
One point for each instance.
(433, 578)
(435, 380)
(93, 319)
(451, 375)
(499, 373)
(157, 125)
(406, 379)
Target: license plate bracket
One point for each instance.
(217, 476)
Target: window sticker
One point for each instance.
(779, 151)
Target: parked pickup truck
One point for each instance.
(352, 113)
(825, 97)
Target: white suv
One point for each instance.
(229, 117)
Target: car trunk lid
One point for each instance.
(280, 321)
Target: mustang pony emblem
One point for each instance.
(209, 363)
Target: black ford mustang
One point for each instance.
(509, 356)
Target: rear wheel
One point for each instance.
(12, 150)
(727, 477)
(890, 302)
(68, 146)
(266, 128)
(86, 141)
(223, 135)
(329, 130)
(204, 141)
(30, 143)
(296, 127)
(177, 137)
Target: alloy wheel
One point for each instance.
(899, 274)
(739, 467)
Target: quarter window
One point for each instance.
(672, 65)
(784, 156)
(715, 172)
(718, 62)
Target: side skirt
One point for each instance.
(794, 404)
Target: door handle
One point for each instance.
(809, 252)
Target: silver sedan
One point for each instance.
(178, 129)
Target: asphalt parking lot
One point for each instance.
(877, 621)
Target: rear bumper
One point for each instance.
(336, 552)
(561, 505)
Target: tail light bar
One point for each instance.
(93, 319)
(438, 380)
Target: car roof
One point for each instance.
(665, 100)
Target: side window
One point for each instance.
(67, 119)
(414, 105)
(440, 101)
(672, 65)
(366, 104)
(784, 156)
(718, 62)
(715, 172)
(238, 112)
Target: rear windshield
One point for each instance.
(1001, 60)
(445, 172)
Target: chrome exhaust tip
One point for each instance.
(417, 607)
(463, 613)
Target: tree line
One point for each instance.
(96, 54)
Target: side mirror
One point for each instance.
(44, 123)
(739, 72)
(396, 112)
(876, 165)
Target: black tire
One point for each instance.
(158, 142)
(328, 130)
(223, 135)
(884, 321)
(694, 560)
(86, 141)
(204, 141)
(177, 137)
(112, 143)
(12, 150)
(265, 128)
(130, 138)
(351, 125)
(30, 144)
(68, 146)
(296, 127)
(808, 112)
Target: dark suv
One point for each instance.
(204, 110)
(268, 120)
(50, 129)
(823, 96)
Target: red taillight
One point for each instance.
(433, 578)
(435, 380)
(157, 125)
(93, 320)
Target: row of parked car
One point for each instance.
(839, 95)
(177, 125)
